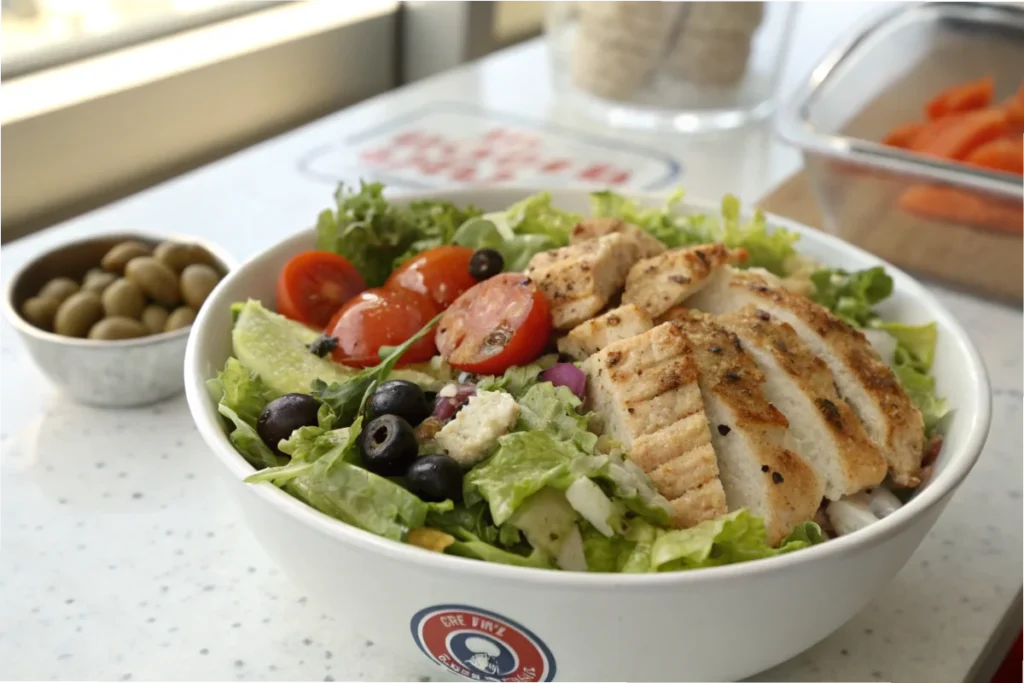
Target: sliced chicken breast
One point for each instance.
(644, 393)
(862, 378)
(593, 228)
(822, 426)
(658, 283)
(590, 337)
(747, 432)
(580, 280)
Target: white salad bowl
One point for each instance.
(722, 623)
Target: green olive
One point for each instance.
(118, 327)
(124, 298)
(119, 255)
(177, 256)
(40, 311)
(154, 317)
(155, 279)
(197, 281)
(97, 280)
(59, 289)
(183, 316)
(78, 314)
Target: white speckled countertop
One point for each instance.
(121, 558)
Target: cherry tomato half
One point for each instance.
(381, 317)
(313, 285)
(442, 273)
(500, 322)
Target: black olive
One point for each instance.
(435, 478)
(401, 398)
(284, 415)
(485, 263)
(387, 445)
(323, 345)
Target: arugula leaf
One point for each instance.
(376, 235)
(345, 399)
(241, 397)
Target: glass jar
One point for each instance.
(685, 66)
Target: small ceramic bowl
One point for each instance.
(113, 374)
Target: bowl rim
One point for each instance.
(18, 322)
(933, 493)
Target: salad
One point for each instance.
(640, 390)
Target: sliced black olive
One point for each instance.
(485, 263)
(435, 478)
(388, 445)
(401, 398)
(284, 415)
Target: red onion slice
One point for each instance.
(567, 375)
(450, 398)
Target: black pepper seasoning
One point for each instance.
(777, 478)
(724, 430)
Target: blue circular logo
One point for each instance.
(480, 645)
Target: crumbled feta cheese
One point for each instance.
(487, 415)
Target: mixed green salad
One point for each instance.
(404, 382)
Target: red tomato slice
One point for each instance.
(500, 322)
(381, 317)
(313, 285)
(441, 273)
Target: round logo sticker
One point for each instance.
(481, 645)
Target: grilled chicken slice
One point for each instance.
(658, 283)
(593, 228)
(822, 426)
(862, 378)
(590, 337)
(580, 280)
(747, 432)
(644, 393)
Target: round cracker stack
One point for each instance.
(714, 42)
(619, 45)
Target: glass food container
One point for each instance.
(685, 66)
(881, 77)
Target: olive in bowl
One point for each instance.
(81, 321)
(401, 398)
(284, 415)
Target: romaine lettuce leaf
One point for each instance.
(376, 235)
(306, 446)
(536, 216)
(357, 496)
(470, 546)
(516, 250)
(736, 537)
(523, 464)
(852, 295)
(518, 378)
(915, 343)
(241, 397)
(555, 409)
(773, 250)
